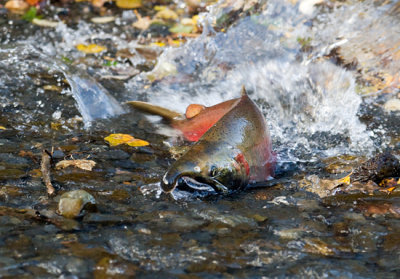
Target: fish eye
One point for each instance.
(197, 169)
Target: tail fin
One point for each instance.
(156, 110)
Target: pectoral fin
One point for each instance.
(167, 114)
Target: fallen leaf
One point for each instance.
(45, 22)
(52, 88)
(143, 23)
(167, 14)
(180, 28)
(159, 44)
(392, 105)
(345, 180)
(82, 164)
(102, 19)
(162, 70)
(117, 139)
(129, 4)
(98, 3)
(17, 6)
(90, 49)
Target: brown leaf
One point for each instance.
(82, 164)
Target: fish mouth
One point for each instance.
(200, 184)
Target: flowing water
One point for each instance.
(322, 75)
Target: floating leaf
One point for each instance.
(45, 22)
(117, 139)
(129, 4)
(89, 49)
(82, 164)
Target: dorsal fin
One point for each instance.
(156, 110)
(243, 92)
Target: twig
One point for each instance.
(45, 168)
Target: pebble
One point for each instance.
(72, 203)
(392, 105)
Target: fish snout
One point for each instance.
(169, 181)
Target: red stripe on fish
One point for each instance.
(242, 161)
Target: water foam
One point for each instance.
(310, 104)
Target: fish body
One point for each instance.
(232, 153)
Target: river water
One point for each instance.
(323, 76)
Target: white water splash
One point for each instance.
(310, 104)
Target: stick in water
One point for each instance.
(45, 168)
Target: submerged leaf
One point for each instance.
(45, 22)
(129, 4)
(117, 139)
(82, 164)
(89, 49)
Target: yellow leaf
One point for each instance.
(159, 8)
(176, 42)
(92, 48)
(117, 139)
(2, 128)
(167, 14)
(82, 164)
(159, 44)
(345, 180)
(129, 4)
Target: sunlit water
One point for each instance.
(312, 109)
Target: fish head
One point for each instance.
(207, 172)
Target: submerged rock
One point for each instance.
(381, 166)
(72, 203)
